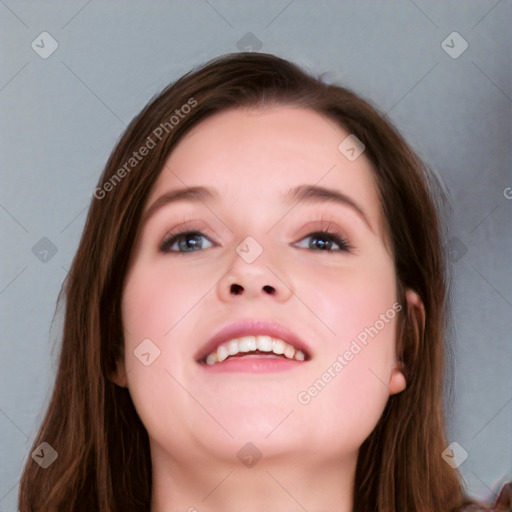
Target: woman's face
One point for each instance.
(277, 179)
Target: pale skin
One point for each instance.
(197, 422)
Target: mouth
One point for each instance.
(254, 346)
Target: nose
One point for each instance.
(256, 280)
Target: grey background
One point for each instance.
(61, 117)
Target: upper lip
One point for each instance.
(253, 328)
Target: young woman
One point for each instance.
(255, 316)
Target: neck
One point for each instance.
(292, 485)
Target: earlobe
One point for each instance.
(119, 376)
(397, 382)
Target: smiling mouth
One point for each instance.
(260, 346)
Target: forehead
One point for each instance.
(257, 155)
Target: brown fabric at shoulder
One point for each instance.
(503, 502)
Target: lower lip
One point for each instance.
(249, 364)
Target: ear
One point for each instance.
(119, 375)
(415, 308)
(397, 382)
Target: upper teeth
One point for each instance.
(263, 343)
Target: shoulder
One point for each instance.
(503, 502)
(504, 499)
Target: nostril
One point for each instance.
(269, 289)
(236, 289)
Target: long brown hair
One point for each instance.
(103, 459)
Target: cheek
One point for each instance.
(349, 299)
(158, 297)
(154, 311)
(348, 386)
(149, 312)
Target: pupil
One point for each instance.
(322, 243)
(190, 242)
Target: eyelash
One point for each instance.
(329, 232)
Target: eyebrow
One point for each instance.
(316, 194)
(302, 193)
(192, 194)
